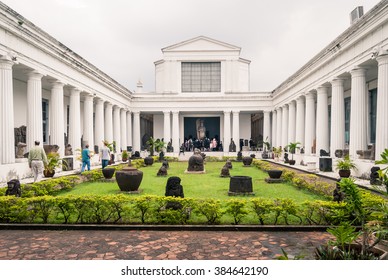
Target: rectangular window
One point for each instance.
(347, 120)
(201, 76)
(45, 120)
(372, 114)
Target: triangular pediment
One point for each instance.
(201, 43)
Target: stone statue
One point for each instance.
(338, 195)
(196, 161)
(50, 148)
(170, 148)
(165, 164)
(229, 164)
(20, 150)
(162, 171)
(232, 146)
(225, 171)
(239, 156)
(201, 129)
(323, 153)
(174, 189)
(68, 150)
(374, 176)
(286, 160)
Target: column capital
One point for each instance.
(310, 95)
(34, 75)
(8, 59)
(322, 90)
(292, 102)
(56, 83)
(300, 99)
(383, 58)
(358, 71)
(285, 106)
(75, 91)
(235, 111)
(108, 104)
(136, 112)
(88, 97)
(99, 100)
(337, 81)
(166, 112)
(175, 112)
(227, 111)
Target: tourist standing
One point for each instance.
(37, 159)
(85, 158)
(105, 155)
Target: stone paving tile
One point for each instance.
(155, 245)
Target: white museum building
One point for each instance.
(336, 102)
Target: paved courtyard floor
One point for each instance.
(155, 245)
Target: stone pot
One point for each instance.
(148, 161)
(129, 179)
(344, 173)
(247, 161)
(275, 174)
(108, 172)
(240, 184)
(48, 173)
(291, 162)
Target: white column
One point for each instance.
(310, 123)
(116, 127)
(337, 129)
(266, 127)
(123, 128)
(382, 105)
(227, 131)
(166, 126)
(99, 123)
(291, 122)
(285, 126)
(236, 129)
(7, 138)
(34, 109)
(129, 128)
(359, 112)
(300, 120)
(57, 128)
(136, 131)
(108, 123)
(322, 119)
(175, 131)
(274, 128)
(279, 125)
(88, 121)
(74, 120)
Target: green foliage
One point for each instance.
(124, 155)
(262, 207)
(143, 206)
(211, 209)
(237, 209)
(344, 235)
(53, 161)
(383, 173)
(345, 164)
(284, 208)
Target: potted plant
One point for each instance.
(124, 156)
(292, 148)
(53, 161)
(383, 173)
(344, 167)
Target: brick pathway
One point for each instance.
(155, 245)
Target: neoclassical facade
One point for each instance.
(337, 101)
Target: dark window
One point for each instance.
(45, 120)
(372, 114)
(201, 76)
(347, 120)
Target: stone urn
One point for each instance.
(344, 173)
(129, 179)
(275, 174)
(240, 185)
(108, 172)
(48, 174)
(247, 161)
(148, 161)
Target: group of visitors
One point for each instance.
(37, 159)
(204, 145)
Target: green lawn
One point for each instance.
(209, 185)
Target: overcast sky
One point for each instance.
(124, 37)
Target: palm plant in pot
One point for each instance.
(124, 156)
(292, 149)
(344, 166)
(53, 161)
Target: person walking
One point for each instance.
(37, 159)
(85, 158)
(105, 155)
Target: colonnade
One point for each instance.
(308, 121)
